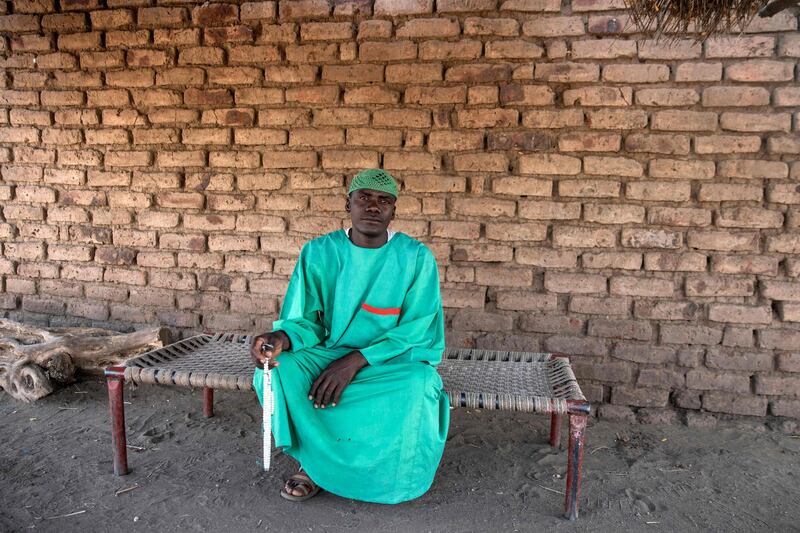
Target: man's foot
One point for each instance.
(299, 487)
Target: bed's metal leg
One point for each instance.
(208, 402)
(577, 428)
(116, 381)
(555, 429)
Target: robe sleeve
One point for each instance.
(419, 333)
(302, 306)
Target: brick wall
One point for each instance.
(585, 189)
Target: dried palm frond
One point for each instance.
(699, 17)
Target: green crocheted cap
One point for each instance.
(375, 179)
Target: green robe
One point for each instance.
(384, 439)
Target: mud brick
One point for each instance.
(489, 253)
(234, 159)
(726, 359)
(26, 135)
(352, 73)
(673, 191)
(522, 186)
(162, 17)
(749, 217)
(553, 27)
(519, 140)
(478, 73)
(722, 402)
(740, 314)
(64, 22)
(549, 164)
(613, 214)
(788, 244)
(501, 276)
(657, 143)
(756, 122)
(515, 231)
(482, 207)
(434, 183)
(374, 137)
(574, 283)
(782, 407)
(649, 73)
(745, 264)
(512, 49)
(784, 193)
(760, 70)
(34, 194)
(723, 240)
(727, 144)
(738, 337)
(395, 51)
(554, 119)
(780, 290)
(456, 230)
(266, 11)
(625, 119)
(719, 286)
(680, 334)
(589, 142)
(551, 324)
(427, 28)
(604, 166)
(735, 96)
(603, 49)
(381, 95)
(678, 120)
(753, 168)
(545, 257)
(568, 345)
(675, 262)
(127, 39)
(679, 49)
(589, 188)
(681, 169)
(615, 260)
(479, 320)
(157, 219)
(265, 96)
(599, 96)
(722, 192)
(777, 385)
(648, 287)
(679, 216)
(644, 353)
(275, 73)
(525, 301)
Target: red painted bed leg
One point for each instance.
(116, 381)
(555, 429)
(208, 402)
(577, 428)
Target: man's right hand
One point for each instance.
(279, 341)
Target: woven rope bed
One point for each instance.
(485, 379)
(479, 379)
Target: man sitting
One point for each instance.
(358, 401)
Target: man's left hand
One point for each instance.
(328, 387)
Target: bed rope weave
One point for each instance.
(485, 379)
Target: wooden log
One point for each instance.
(33, 359)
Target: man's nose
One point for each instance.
(372, 205)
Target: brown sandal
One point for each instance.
(303, 482)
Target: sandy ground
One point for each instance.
(498, 473)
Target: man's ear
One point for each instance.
(347, 204)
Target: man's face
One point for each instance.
(371, 211)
